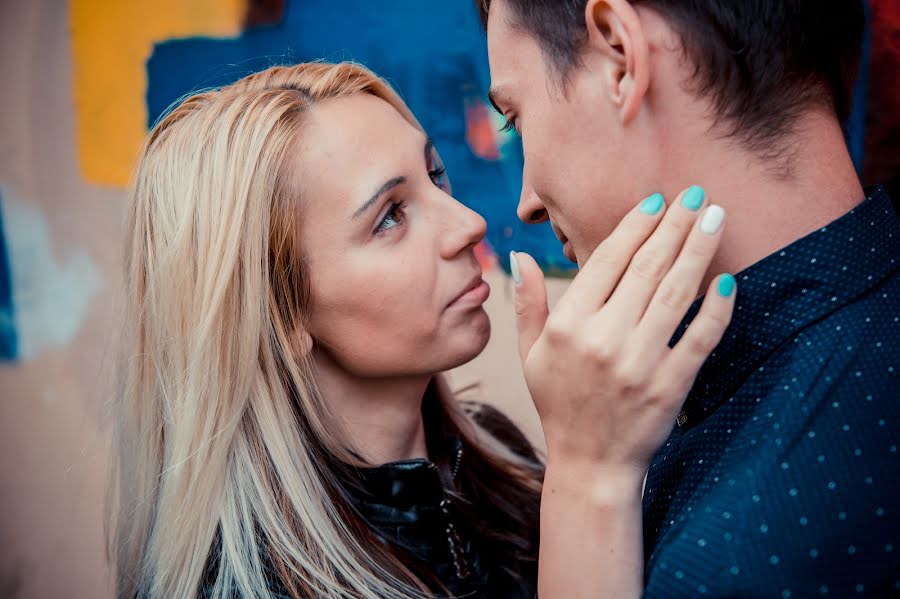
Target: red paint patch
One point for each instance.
(480, 134)
(882, 152)
(486, 256)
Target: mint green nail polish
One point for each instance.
(514, 269)
(693, 198)
(653, 204)
(726, 285)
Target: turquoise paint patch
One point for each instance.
(8, 336)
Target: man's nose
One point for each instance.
(531, 210)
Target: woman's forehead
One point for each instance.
(354, 144)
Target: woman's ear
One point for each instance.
(615, 31)
(304, 343)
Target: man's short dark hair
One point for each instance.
(761, 62)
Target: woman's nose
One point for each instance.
(465, 228)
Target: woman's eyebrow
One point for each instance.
(391, 184)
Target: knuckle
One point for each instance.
(605, 255)
(601, 352)
(556, 330)
(523, 307)
(634, 225)
(630, 378)
(681, 220)
(717, 321)
(675, 297)
(648, 266)
(656, 395)
(696, 250)
(702, 342)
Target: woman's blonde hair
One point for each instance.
(228, 463)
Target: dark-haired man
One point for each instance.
(780, 478)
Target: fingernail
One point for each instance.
(652, 204)
(514, 269)
(712, 220)
(693, 198)
(726, 285)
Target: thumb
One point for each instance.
(531, 300)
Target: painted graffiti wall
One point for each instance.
(433, 53)
(83, 81)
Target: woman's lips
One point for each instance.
(475, 295)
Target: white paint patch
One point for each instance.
(51, 297)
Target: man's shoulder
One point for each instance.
(789, 514)
(859, 339)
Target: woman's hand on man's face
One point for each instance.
(605, 383)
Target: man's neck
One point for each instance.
(382, 418)
(768, 209)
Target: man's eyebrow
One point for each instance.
(381, 191)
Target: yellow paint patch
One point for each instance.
(111, 42)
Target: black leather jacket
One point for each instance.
(408, 504)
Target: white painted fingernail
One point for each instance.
(514, 269)
(712, 220)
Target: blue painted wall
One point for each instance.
(433, 52)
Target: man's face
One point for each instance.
(584, 169)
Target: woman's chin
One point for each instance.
(471, 341)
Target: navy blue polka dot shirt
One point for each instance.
(781, 478)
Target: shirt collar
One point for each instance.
(792, 288)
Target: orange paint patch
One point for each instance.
(480, 133)
(486, 256)
(111, 42)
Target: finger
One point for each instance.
(531, 300)
(653, 260)
(601, 272)
(679, 288)
(704, 334)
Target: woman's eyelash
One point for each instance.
(397, 213)
(509, 126)
(397, 210)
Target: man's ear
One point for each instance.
(615, 30)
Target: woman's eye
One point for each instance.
(439, 177)
(394, 217)
(436, 171)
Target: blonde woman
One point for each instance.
(298, 277)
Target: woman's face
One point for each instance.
(396, 288)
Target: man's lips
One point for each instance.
(558, 232)
(568, 252)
